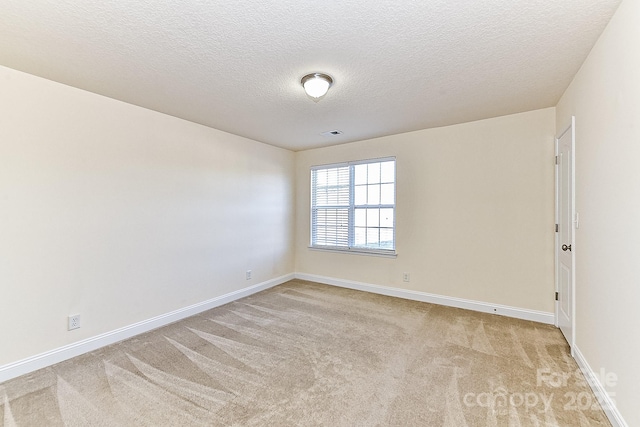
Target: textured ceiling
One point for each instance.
(398, 65)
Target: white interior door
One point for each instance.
(565, 248)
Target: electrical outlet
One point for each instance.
(248, 274)
(74, 321)
(406, 277)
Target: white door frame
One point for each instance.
(570, 128)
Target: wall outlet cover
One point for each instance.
(74, 322)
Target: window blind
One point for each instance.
(330, 206)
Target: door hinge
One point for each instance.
(556, 228)
(556, 296)
(556, 160)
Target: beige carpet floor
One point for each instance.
(305, 354)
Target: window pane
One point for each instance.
(387, 194)
(386, 218)
(332, 197)
(373, 238)
(331, 227)
(386, 238)
(373, 217)
(361, 218)
(360, 174)
(331, 186)
(321, 177)
(373, 173)
(360, 236)
(360, 195)
(332, 176)
(387, 171)
(342, 195)
(373, 194)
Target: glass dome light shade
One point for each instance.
(316, 85)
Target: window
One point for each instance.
(353, 206)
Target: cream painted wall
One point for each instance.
(605, 98)
(122, 214)
(474, 214)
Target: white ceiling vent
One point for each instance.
(331, 133)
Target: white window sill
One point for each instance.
(382, 254)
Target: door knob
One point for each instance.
(566, 248)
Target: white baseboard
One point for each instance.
(484, 307)
(605, 400)
(57, 355)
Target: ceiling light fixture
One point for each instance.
(316, 85)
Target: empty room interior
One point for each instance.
(445, 234)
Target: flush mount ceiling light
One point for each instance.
(316, 85)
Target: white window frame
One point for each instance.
(351, 248)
